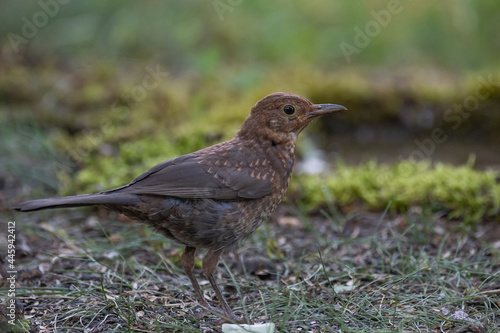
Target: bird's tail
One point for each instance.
(77, 201)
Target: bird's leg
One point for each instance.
(188, 266)
(210, 262)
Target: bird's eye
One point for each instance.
(289, 110)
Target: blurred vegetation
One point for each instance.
(256, 36)
(457, 192)
(82, 111)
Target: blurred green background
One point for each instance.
(205, 37)
(92, 93)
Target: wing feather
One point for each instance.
(188, 177)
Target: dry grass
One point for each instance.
(315, 273)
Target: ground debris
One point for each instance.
(322, 275)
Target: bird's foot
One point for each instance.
(226, 319)
(207, 310)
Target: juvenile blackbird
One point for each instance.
(216, 196)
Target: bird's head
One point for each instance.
(282, 116)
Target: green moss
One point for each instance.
(463, 192)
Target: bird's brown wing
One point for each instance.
(185, 177)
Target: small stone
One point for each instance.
(260, 328)
(289, 221)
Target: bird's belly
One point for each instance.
(202, 223)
